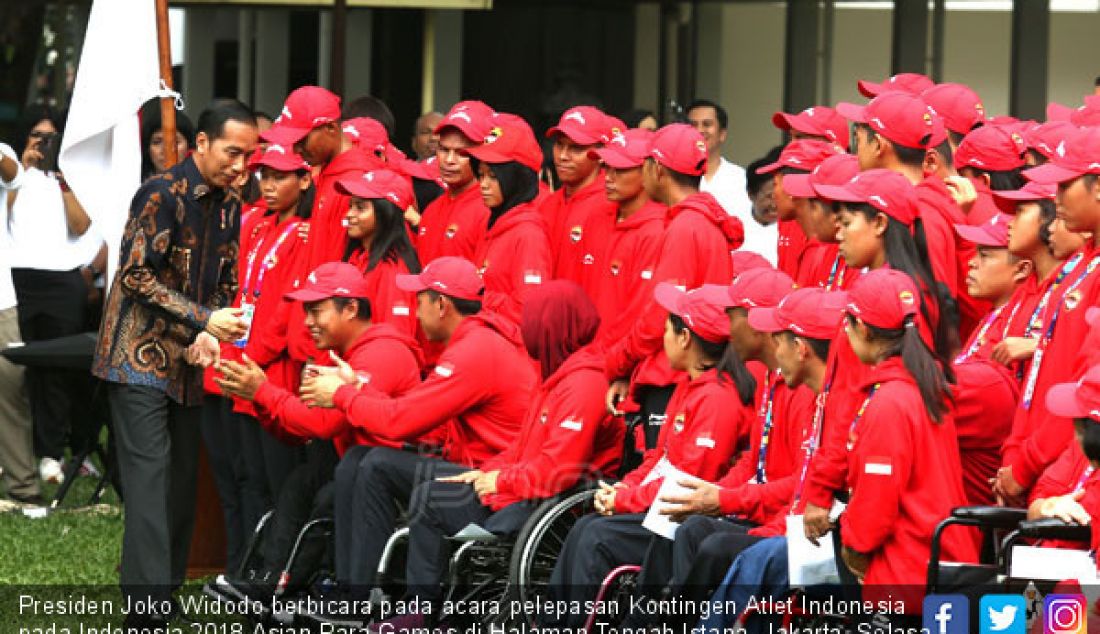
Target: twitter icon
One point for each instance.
(1003, 614)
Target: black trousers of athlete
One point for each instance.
(445, 508)
(267, 463)
(371, 483)
(51, 304)
(691, 566)
(222, 436)
(596, 545)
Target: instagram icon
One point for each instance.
(1064, 614)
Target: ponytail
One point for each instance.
(729, 365)
(920, 362)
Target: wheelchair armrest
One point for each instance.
(1054, 528)
(990, 516)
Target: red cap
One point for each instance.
(991, 148)
(835, 170)
(451, 276)
(820, 121)
(885, 190)
(991, 233)
(1045, 137)
(1077, 400)
(1030, 192)
(960, 107)
(680, 148)
(305, 108)
(382, 184)
(1076, 155)
(426, 170)
(1087, 114)
(802, 154)
(1058, 112)
(704, 317)
(809, 312)
(471, 118)
(615, 126)
(332, 279)
(625, 150)
(901, 117)
(509, 139)
(883, 298)
(277, 157)
(745, 260)
(367, 133)
(910, 83)
(584, 125)
(752, 288)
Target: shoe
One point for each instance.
(50, 471)
(254, 585)
(88, 469)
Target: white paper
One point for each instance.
(473, 533)
(658, 471)
(1051, 564)
(809, 565)
(654, 520)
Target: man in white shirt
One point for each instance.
(726, 181)
(16, 453)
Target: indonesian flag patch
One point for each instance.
(573, 424)
(878, 465)
(445, 370)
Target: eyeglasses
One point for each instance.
(41, 134)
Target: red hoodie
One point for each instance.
(985, 400)
(742, 493)
(1037, 435)
(619, 273)
(327, 236)
(484, 381)
(705, 428)
(514, 257)
(567, 220)
(820, 265)
(386, 358)
(792, 243)
(566, 434)
(388, 303)
(694, 251)
(452, 225)
(904, 475)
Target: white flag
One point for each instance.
(101, 151)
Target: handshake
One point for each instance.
(225, 324)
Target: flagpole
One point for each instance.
(167, 104)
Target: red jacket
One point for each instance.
(1009, 320)
(905, 477)
(820, 265)
(566, 434)
(452, 225)
(792, 242)
(985, 400)
(620, 279)
(1037, 435)
(388, 303)
(695, 251)
(566, 220)
(792, 413)
(484, 380)
(513, 258)
(327, 237)
(705, 427)
(387, 358)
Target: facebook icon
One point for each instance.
(946, 614)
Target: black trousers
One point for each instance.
(222, 436)
(52, 304)
(300, 501)
(369, 486)
(267, 461)
(596, 545)
(158, 448)
(444, 509)
(651, 417)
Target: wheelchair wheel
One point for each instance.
(540, 542)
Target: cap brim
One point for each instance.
(1061, 400)
(716, 294)
(1019, 195)
(668, 297)
(837, 193)
(614, 158)
(486, 154)
(770, 167)
(852, 112)
(978, 236)
(799, 186)
(765, 320)
(284, 135)
(1051, 174)
(358, 187)
(580, 137)
(1058, 112)
(409, 283)
(307, 295)
(468, 129)
(782, 120)
(869, 89)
